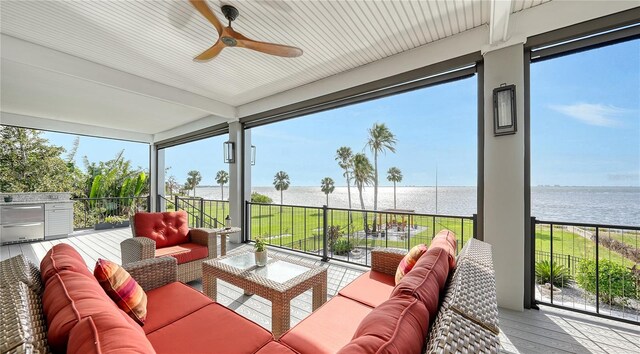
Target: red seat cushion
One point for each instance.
(371, 288)
(185, 252)
(212, 329)
(62, 257)
(426, 280)
(68, 297)
(170, 303)
(106, 333)
(328, 329)
(274, 347)
(446, 240)
(166, 229)
(399, 325)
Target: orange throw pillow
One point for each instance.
(122, 289)
(409, 261)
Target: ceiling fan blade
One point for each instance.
(210, 53)
(280, 50)
(203, 8)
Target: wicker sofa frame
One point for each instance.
(139, 248)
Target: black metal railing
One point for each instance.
(347, 234)
(208, 213)
(590, 268)
(106, 212)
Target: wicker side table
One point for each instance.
(279, 282)
(223, 232)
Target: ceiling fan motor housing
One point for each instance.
(230, 12)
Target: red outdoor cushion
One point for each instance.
(274, 347)
(446, 240)
(62, 257)
(399, 325)
(185, 252)
(68, 297)
(371, 288)
(106, 333)
(212, 329)
(328, 329)
(170, 303)
(166, 229)
(426, 280)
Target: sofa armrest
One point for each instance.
(205, 237)
(136, 249)
(153, 273)
(386, 260)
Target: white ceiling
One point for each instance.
(128, 64)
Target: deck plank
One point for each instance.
(548, 330)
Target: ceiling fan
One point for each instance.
(228, 37)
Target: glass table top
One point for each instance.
(276, 270)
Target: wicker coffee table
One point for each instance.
(279, 281)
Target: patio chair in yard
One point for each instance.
(168, 234)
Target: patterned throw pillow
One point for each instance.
(122, 289)
(409, 261)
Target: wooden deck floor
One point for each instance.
(546, 331)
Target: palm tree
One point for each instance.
(327, 187)
(380, 140)
(222, 178)
(193, 180)
(362, 176)
(394, 175)
(344, 156)
(281, 182)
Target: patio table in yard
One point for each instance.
(279, 281)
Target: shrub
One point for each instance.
(342, 247)
(561, 275)
(334, 232)
(260, 198)
(617, 283)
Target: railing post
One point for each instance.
(247, 222)
(175, 204)
(149, 203)
(475, 226)
(408, 232)
(597, 270)
(325, 246)
(551, 261)
(201, 211)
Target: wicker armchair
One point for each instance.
(167, 234)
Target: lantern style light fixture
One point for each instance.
(253, 155)
(504, 110)
(229, 151)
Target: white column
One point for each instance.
(238, 184)
(161, 180)
(504, 179)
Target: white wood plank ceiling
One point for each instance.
(157, 40)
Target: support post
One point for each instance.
(325, 245)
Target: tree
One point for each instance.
(394, 175)
(380, 140)
(222, 178)
(327, 187)
(28, 163)
(362, 176)
(193, 180)
(344, 156)
(281, 182)
(172, 185)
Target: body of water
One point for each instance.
(602, 205)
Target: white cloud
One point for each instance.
(592, 114)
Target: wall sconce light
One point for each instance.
(229, 151)
(253, 155)
(504, 110)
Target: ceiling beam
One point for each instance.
(53, 125)
(499, 21)
(49, 59)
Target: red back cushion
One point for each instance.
(446, 240)
(426, 280)
(107, 333)
(62, 257)
(399, 325)
(166, 229)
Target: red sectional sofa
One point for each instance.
(429, 309)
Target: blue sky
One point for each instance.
(585, 124)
